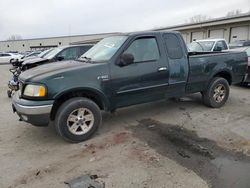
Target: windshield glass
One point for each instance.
(201, 46)
(104, 49)
(32, 54)
(44, 53)
(52, 53)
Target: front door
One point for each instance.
(144, 80)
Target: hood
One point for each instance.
(51, 69)
(34, 60)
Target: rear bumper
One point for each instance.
(34, 112)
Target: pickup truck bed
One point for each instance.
(205, 65)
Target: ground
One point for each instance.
(174, 143)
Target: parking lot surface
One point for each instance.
(174, 143)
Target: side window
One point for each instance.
(84, 49)
(224, 44)
(173, 46)
(220, 44)
(144, 49)
(6, 55)
(69, 53)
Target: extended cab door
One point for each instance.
(178, 64)
(144, 80)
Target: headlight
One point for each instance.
(34, 90)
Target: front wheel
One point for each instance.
(9, 93)
(77, 119)
(217, 93)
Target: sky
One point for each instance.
(49, 18)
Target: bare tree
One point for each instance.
(234, 12)
(199, 18)
(15, 37)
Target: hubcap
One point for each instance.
(219, 93)
(80, 121)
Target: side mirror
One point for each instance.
(126, 59)
(59, 58)
(218, 49)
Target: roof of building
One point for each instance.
(64, 36)
(214, 21)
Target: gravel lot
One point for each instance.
(175, 143)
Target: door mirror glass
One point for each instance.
(126, 59)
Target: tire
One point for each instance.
(70, 122)
(217, 93)
(9, 93)
(11, 61)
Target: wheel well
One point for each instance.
(225, 75)
(87, 94)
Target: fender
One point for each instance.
(224, 72)
(97, 92)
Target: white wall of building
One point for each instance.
(231, 29)
(41, 43)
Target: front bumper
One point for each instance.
(34, 112)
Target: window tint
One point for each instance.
(5, 55)
(225, 45)
(173, 46)
(69, 53)
(84, 49)
(221, 44)
(246, 43)
(144, 49)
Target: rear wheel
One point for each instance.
(77, 119)
(217, 93)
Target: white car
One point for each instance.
(208, 45)
(9, 57)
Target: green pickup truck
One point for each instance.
(119, 71)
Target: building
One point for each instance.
(230, 28)
(45, 43)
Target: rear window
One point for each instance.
(173, 46)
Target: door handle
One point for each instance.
(162, 69)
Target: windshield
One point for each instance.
(105, 49)
(52, 53)
(44, 53)
(33, 54)
(201, 46)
